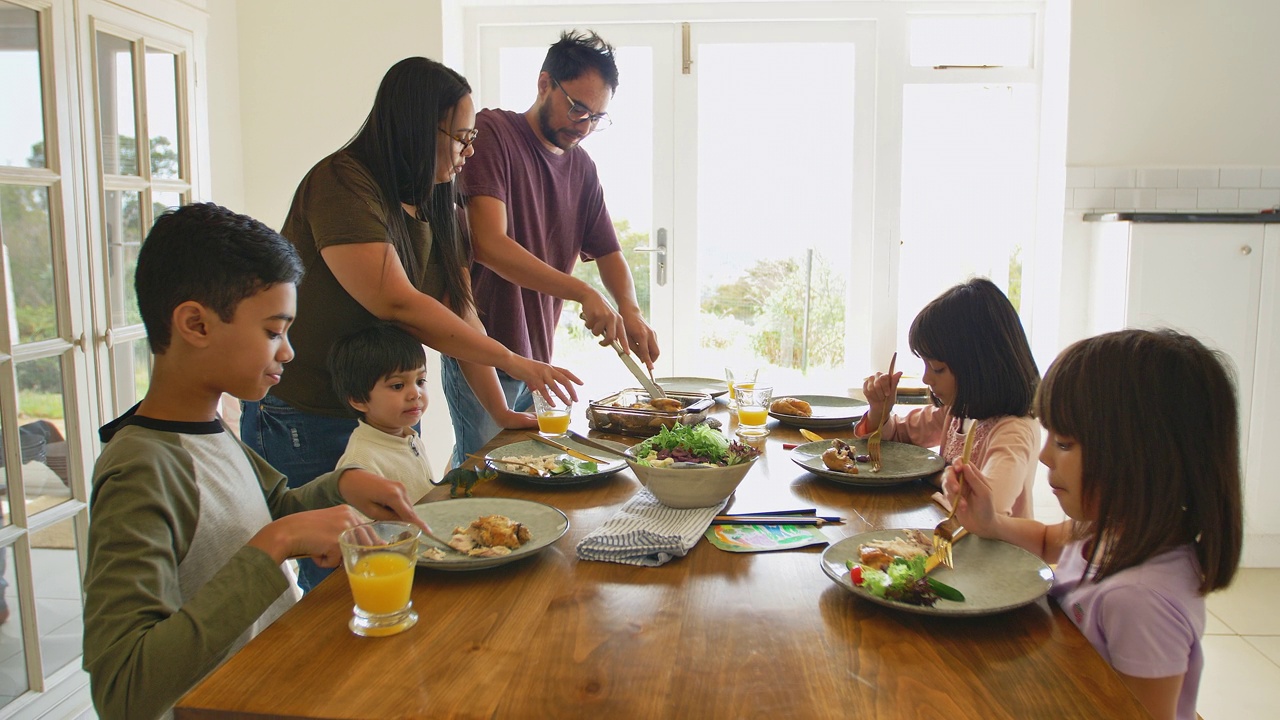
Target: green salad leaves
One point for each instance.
(693, 444)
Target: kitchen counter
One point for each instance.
(1183, 217)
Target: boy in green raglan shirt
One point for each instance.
(190, 530)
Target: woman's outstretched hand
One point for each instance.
(546, 379)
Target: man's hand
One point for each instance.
(601, 319)
(642, 340)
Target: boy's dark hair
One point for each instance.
(397, 144)
(1154, 413)
(357, 362)
(209, 254)
(976, 331)
(576, 53)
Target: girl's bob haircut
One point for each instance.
(1154, 413)
(976, 331)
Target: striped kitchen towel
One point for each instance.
(646, 532)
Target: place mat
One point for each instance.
(646, 532)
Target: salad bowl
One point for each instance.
(687, 484)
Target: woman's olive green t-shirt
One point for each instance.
(337, 203)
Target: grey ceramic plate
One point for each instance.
(899, 463)
(533, 448)
(710, 386)
(993, 575)
(546, 524)
(829, 411)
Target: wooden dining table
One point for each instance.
(713, 634)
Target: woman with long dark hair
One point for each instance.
(377, 227)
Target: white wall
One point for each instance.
(1174, 83)
(227, 156)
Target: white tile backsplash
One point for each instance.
(1240, 177)
(1157, 178)
(1216, 198)
(1176, 198)
(1260, 199)
(1114, 177)
(1198, 178)
(1235, 189)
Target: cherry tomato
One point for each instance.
(855, 574)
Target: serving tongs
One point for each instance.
(873, 441)
(948, 531)
(646, 382)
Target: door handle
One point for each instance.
(659, 250)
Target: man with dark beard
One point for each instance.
(535, 206)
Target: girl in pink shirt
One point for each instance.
(1143, 456)
(978, 365)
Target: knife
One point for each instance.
(583, 439)
(575, 453)
(648, 384)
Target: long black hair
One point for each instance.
(397, 143)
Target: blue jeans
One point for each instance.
(472, 425)
(300, 445)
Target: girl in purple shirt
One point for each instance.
(1143, 456)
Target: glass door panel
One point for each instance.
(969, 164)
(162, 113)
(770, 262)
(117, 120)
(22, 122)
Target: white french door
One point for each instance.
(730, 173)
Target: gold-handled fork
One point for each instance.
(948, 531)
(873, 440)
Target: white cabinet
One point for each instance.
(1218, 282)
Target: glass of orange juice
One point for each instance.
(380, 558)
(753, 409)
(739, 377)
(553, 420)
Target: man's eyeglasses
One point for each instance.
(579, 112)
(465, 137)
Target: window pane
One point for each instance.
(22, 122)
(116, 120)
(13, 658)
(6, 513)
(772, 257)
(968, 191)
(28, 247)
(131, 364)
(161, 201)
(162, 112)
(1007, 41)
(59, 609)
(42, 433)
(123, 226)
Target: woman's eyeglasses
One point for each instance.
(464, 137)
(579, 112)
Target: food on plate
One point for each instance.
(692, 445)
(546, 465)
(895, 570)
(490, 536)
(791, 406)
(432, 554)
(880, 553)
(841, 457)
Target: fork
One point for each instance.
(948, 531)
(873, 440)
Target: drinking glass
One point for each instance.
(380, 558)
(553, 420)
(753, 409)
(739, 377)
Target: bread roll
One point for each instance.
(791, 406)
